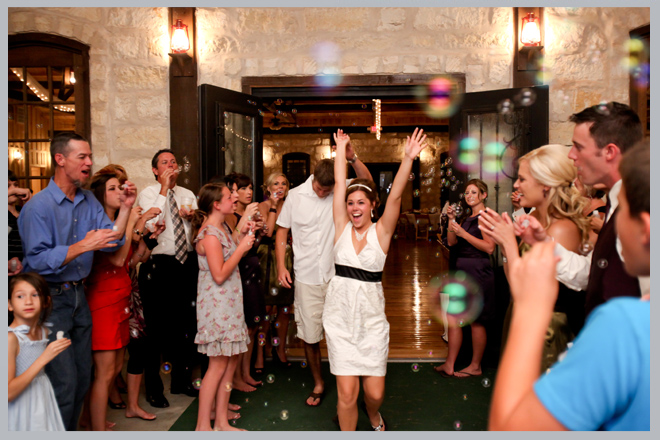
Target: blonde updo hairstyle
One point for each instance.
(270, 180)
(551, 167)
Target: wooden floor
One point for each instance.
(414, 332)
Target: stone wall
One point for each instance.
(129, 90)
(389, 148)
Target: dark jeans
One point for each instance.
(168, 290)
(70, 372)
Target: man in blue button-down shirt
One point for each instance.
(61, 227)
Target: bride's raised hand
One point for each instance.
(341, 139)
(415, 143)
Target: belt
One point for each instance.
(358, 274)
(66, 285)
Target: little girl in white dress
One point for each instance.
(32, 404)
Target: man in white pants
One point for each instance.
(307, 212)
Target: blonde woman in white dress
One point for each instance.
(356, 328)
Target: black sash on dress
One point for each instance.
(358, 274)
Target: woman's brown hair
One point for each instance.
(208, 194)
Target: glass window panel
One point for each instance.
(16, 120)
(63, 84)
(64, 117)
(16, 158)
(39, 125)
(239, 131)
(37, 82)
(15, 85)
(40, 161)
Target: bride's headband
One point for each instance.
(359, 184)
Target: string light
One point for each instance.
(376, 127)
(40, 92)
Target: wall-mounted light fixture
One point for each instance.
(17, 155)
(529, 37)
(182, 42)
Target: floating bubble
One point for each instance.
(266, 403)
(274, 291)
(396, 236)
(505, 107)
(465, 397)
(294, 111)
(458, 425)
(197, 383)
(602, 263)
(449, 172)
(148, 276)
(453, 187)
(441, 96)
(429, 322)
(270, 378)
(415, 368)
(186, 181)
(261, 336)
(134, 333)
(586, 247)
(458, 209)
(407, 257)
(285, 310)
(262, 342)
(411, 177)
(303, 364)
(284, 414)
(228, 387)
(275, 342)
(186, 167)
(525, 97)
(603, 108)
(458, 296)
(127, 310)
(277, 325)
(430, 352)
(166, 368)
(485, 382)
(468, 152)
(437, 255)
(193, 304)
(461, 195)
(416, 193)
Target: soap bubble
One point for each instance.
(284, 414)
(186, 167)
(274, 291)
(228, 387)
(270, 378)
(257, 319)
(415, 368)
(262, 342)
(525, 97)
(586, 247)
(411, 177)
(465, 397)
(261, 336)
(275, 342)
(458, 425)
(328, 61)
(303, 364)
(505, 107)
(485, 382)
(266, 404)
(134, 333)
(603, 108)
(602, 263)
(285, 310)
(441, 96)
(468, 152)
(458, 296)
(416, 193)
(166, 368)
(197, 383)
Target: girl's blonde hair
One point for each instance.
(271, 179)
(551, 167)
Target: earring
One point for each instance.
(372, 213)
(545, 193)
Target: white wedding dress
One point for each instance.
(356, 328)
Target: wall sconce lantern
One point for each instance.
(180, 40)
(181, 44)
(17, 155)
(529, 37)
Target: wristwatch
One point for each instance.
(352, 161)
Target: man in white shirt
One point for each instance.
(601, 135)
(307, 211)
(168, 283)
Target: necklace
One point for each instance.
(358, 235)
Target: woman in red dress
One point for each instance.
(108, 290)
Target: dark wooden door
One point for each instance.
(489, 133)
(231, 134)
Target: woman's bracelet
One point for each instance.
(272, 210)
(138, 232)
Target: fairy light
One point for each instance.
(40, 92)
(238, 135)
(376, 127)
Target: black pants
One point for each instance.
(169, 290)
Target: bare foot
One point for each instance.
(228, 428)
(234, 407)
(250, 381)
(444, 370)
(242, 386)
(140, 413)
(231, 415)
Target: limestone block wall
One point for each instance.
(129, 91)
(389, 148)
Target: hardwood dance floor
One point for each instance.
(414, 332)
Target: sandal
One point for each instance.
(382, 426)
(315, 396)
(120, 405)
